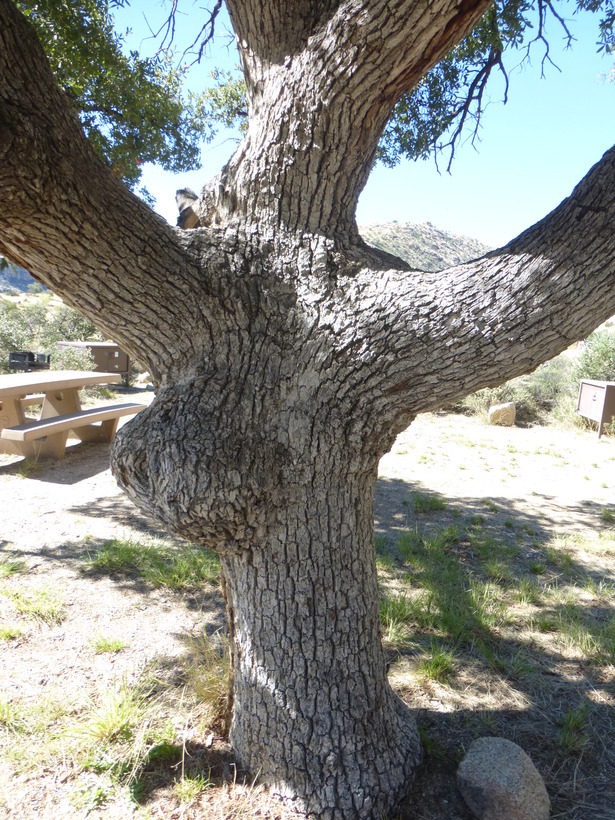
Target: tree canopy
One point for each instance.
(135, 109)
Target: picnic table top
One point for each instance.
(43, 380)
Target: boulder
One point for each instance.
(498, 781)
(503, 414)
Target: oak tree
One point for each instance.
(288, 354)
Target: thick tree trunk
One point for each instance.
(314, 713)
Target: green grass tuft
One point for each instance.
(41, 604)
(101, 644)
(428, 503)
(575, 731)
(439, 666)
(10, 567)
(175, 565)
(10, 633)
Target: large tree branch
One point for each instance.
(319, 96)
(489, 320)
(68, 220)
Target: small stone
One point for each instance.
(498, 781)
(503, 414)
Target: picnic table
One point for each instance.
(57, 394)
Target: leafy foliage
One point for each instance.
(38, 326)
(132, 108)
(225, 102)
(431, 117)
(597, 359)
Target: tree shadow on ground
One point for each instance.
(544, 680)
(121, 510)
(177, 569)
(81, 461)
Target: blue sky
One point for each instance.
(531, 153)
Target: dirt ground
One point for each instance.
(51, 517)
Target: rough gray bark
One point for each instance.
(287, 354)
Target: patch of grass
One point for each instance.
(433, 747)
(527, 591)
(538, 568)
(163, 564)
(439, 666)
(11, 718)
(409, 545)
(384, 561)
(89, 799)
(423, 503)
(380, 544)
(601, 590)
(557, 556)
(574, 731)
(10, 567)
(589, 630)
(608, 516)
(207, 674)
(114, 715)
(484, 545)
(453, 603)
(491, 505)
(498, 571)
(28, 467)
(489, 606)
(398, 611)
(191, 786)
(41, 604)
(10, 633)
(123, 730)
(515, 664)
(164, 751)
(101, 644)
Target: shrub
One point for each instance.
(37, 325)
(597, 358)
(535, 395)
(551, 390)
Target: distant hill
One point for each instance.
(13, 278)
(422, 246)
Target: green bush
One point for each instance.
(551, 391)
(37, 325)
(72, 358)
(535, 395)
(597, 358)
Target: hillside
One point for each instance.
(422, 246)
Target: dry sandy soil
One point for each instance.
(551, 480)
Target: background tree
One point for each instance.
(288, 354)
(132, 109)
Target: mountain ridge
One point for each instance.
(422, 245)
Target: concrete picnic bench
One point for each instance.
(58, 394)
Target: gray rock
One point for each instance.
(498, 781)
(503, 414)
